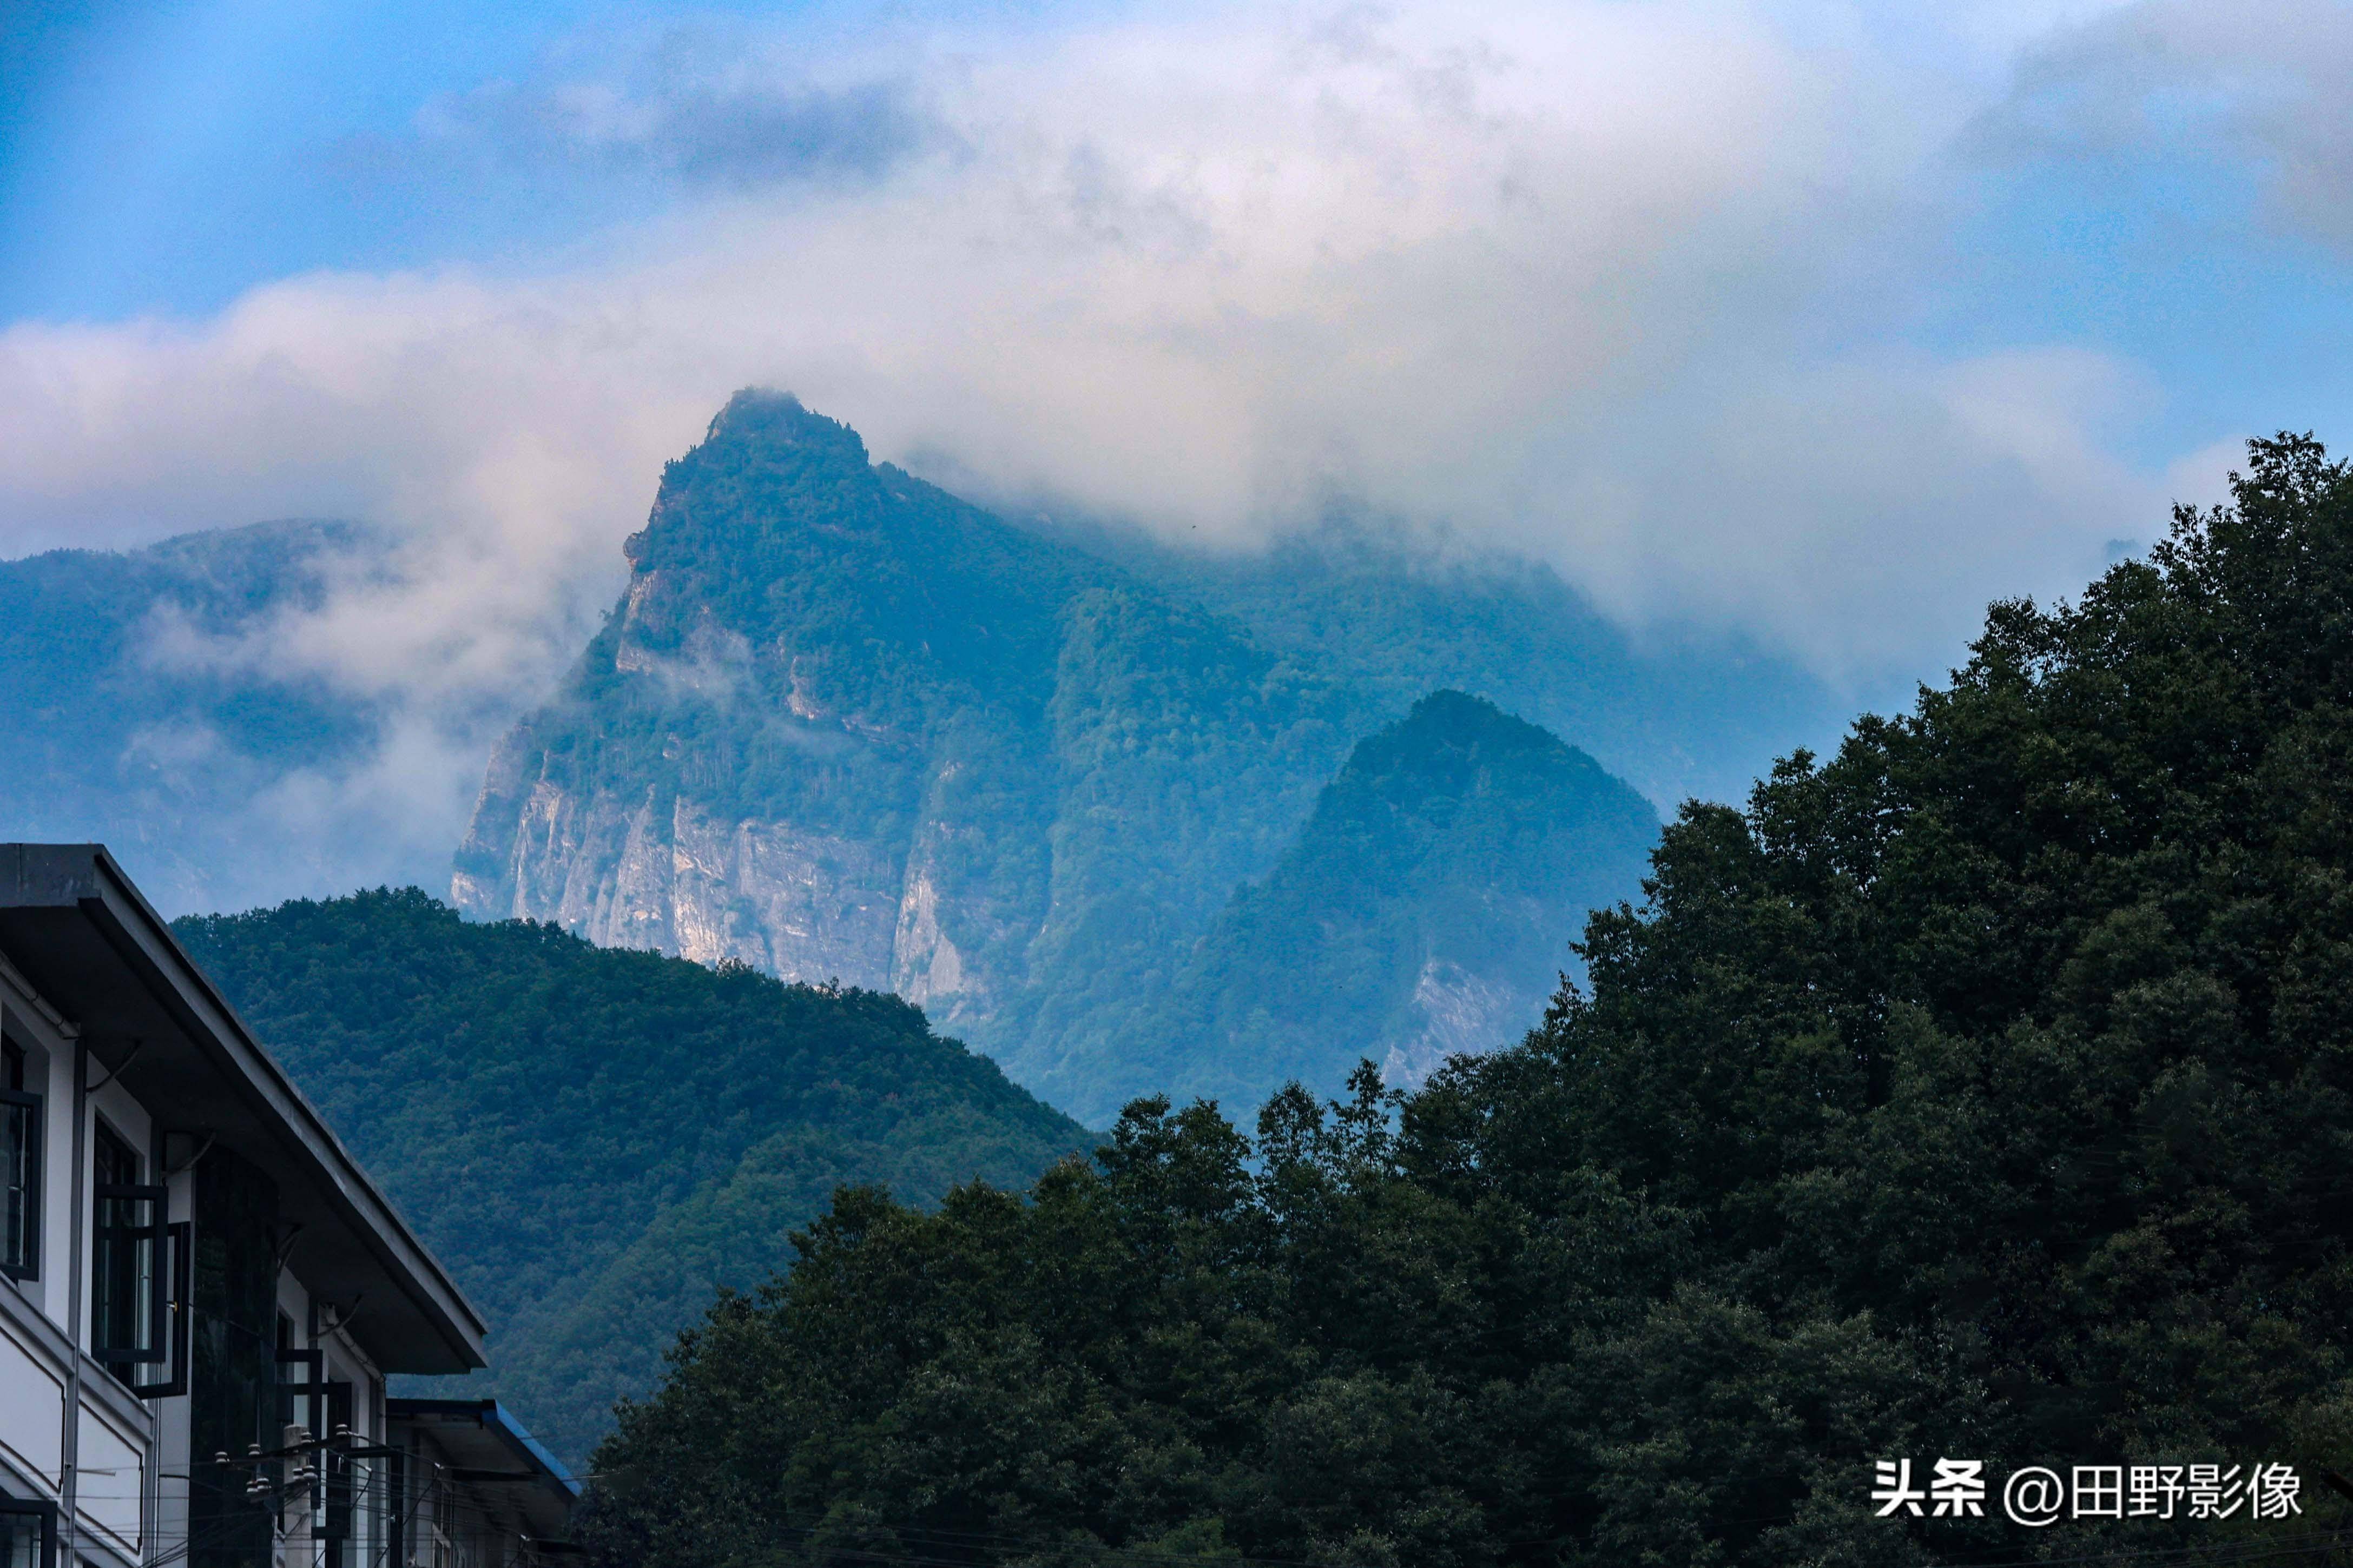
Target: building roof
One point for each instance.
(77, 930)
(493, 1450)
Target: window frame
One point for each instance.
(27, 1110)
(170, 1262)
(45, 1511)
(143, 1246)
(156, 1256)
(178, 1300)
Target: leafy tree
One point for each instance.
(1980, 1090)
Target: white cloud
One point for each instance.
(2261, 90)
(1619, 286)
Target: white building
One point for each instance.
(201, 1293)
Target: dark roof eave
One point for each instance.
(492, 1416)
(86, 876)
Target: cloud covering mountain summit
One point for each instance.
(1633, 292)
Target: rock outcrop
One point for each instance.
(843, 727)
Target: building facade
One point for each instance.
(201, 1293)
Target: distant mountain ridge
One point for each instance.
(125, 727)
(844, 725)
(1675, 713)
(160, 707)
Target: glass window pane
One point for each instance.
(20, 1135)
(112, 1325)
(126, 1275)
(22, 1540)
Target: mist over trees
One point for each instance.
(1984, 1088)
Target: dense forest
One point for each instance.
(1981, 1089)
(594, 1141)
(1424, 909)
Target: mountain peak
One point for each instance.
(1451, 745)
(1453, 715)
(762, 414)
(1423, 909)
(841, 723)
(766, 461)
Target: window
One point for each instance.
(138, 1310)
(309, 1387)
(126, 1320)
(20, 1168)
(118, 1162)
(29, 1533)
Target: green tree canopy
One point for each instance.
(1978, 1092)
(595, 1140)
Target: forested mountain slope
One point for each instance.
(140, 716)
(592, 1140)
(167, 706)
(1673, 713)
(1424, 909)
(1981, 1091)
(843, 725)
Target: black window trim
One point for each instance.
(178, 1296)
(15, 1059)
(156, 1232)
(33, 1105)
(169, 1304)
(46, 1512)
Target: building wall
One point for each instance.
(32, 1406)
(145, 1474)
(43, 1331)
(200, 1455)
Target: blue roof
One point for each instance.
(491, 1417)
(532, 1445)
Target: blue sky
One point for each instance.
(165, 157)
(1815, 323)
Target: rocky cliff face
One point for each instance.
(1454, 1010)
(672, 877)
(841, 726)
